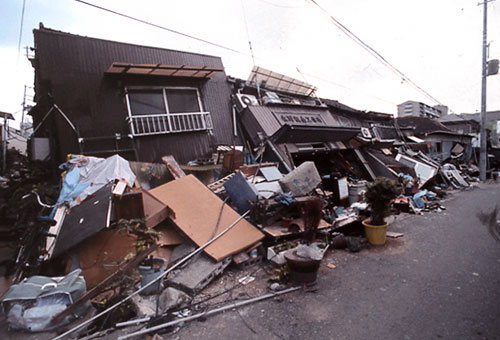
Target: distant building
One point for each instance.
(14, 138)
(443, 141)
(460, 123)
(418, 109)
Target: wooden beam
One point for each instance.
(173, 166)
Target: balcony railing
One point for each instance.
(155, 124)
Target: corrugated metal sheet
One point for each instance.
(262, 119)
(72, 67)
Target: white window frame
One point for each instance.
(197, 121)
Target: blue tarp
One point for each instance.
(71, 186)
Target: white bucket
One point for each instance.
(355, 189)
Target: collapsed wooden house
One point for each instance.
(100, 97)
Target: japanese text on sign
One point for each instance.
(300, 119)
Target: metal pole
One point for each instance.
(213, 311)
(4, 145)
(153, 281)
(483, 151)
(24, 109)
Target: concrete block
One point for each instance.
(198, 273)
(302, 180)
(172, 298)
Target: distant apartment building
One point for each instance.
(418, 109)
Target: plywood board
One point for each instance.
(154, 210)
(196, 212)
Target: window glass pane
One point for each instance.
(146, 102)
(182, 101)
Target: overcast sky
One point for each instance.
(436, 43)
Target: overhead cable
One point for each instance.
(215, 44)
(162, 27)
(21, 29)
(373, 52)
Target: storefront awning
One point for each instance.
(164, 70)
(311, 134)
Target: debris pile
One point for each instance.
(145, 241)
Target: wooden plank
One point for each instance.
(241, 258)
(196, 213)
(55, 229)
(276, 230)
(251, 169)
(154, 210)
(173, 166)
(120, 187)
(394, 234)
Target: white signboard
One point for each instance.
(343, 188)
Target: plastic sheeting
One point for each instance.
(89, 174)
(31, 304)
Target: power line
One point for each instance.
(162, 27)
(214, 44)
(349, 88)
(373, 52)
(21, 29)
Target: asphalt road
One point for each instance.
(440, 281)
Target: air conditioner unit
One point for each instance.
(365, 132)
(244, 100)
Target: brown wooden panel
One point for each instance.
(196, 213)
(129, 205)
(154, 210)
(101, 254)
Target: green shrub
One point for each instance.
(379, 196)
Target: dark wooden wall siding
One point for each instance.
(152, 149)
(251, 125)
(73, 68)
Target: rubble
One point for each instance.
(290, 175)
(198, 273)
(111, 215)
(208, 220)
(301, 181)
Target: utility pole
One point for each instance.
(24, 109)
(484, 66)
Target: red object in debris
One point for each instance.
(311, 214)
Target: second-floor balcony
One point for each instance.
(162, 123)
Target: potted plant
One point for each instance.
(379, 196)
